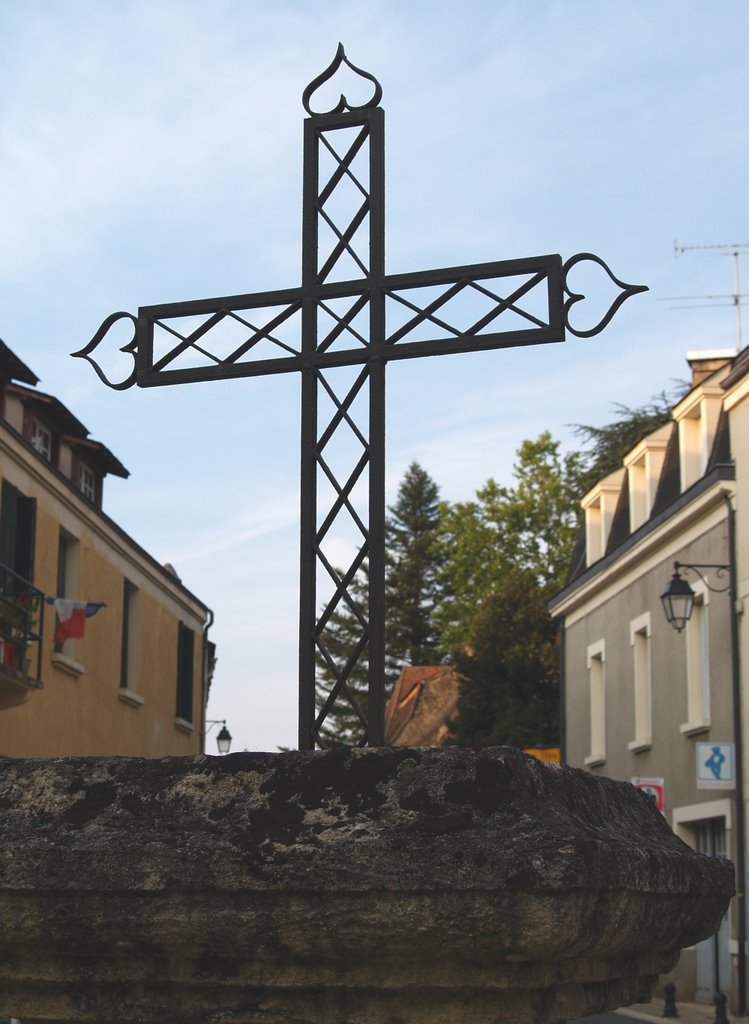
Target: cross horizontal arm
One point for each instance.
(435, 312)
(326, 323)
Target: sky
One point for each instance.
(152, 152)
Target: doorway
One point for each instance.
(713, 961)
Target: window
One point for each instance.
(644, 465)
(87, 482)
(597, 689)
(638, 493)
(599, 505)
(690, 449)
(18, 614)
(698, 665)
(129, 645)
(697, 415)
(67, 581)
(17, 531)
(185, 660)
(639, 638)
(41, 439)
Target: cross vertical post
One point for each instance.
(364, 129)
(334, 321)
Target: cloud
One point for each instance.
(153, 152)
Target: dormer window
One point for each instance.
(599, 505)
(644, 464)
(697, 416)
(86, 482)
(41, 439)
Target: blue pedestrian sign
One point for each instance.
(716, 766)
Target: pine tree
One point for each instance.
(343, 639)
(606, 446)
(411, 586)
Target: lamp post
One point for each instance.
(678, 603)
(678, 597)
(223, 738)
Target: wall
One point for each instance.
(80, 709)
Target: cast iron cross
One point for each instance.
(334, 321)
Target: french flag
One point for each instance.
(71, 617)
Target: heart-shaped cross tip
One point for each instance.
(626, 292)
(343, 103)
(129, 349)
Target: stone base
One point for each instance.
(346, 887)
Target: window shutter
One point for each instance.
(185, 657)
(17, 531)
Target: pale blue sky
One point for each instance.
(151, 152)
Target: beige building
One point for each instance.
(667, 710)
(136, 682)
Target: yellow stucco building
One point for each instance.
(136, 682)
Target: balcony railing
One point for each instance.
(21, 627)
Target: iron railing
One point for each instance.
(21, 627)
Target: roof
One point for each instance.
(15, 367)
(74, 433)
(423, 701)
(94, 510)
(53, 407)
(98, 455)
(669, 497)
(739, 369)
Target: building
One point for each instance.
(136, 682)
(423, 701)
(641, 701)
(422, 706)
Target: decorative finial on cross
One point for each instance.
(343, 103)
(348, 313)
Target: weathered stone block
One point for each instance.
(393, 885)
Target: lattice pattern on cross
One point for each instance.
(348, 318)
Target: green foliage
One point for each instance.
(342, 637)
(471, 581)
(606, 446)
(529, 528)
(412, 587)
(504, 555)
(509, 669)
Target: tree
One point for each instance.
(606, 446)
(412, 584)
(343, 638)
(412, 587)
(509, 670)
(505, 554)
(529, 528)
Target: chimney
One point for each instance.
(704, 362)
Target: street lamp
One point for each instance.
(678, 597)
(223, 739)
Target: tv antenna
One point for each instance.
(736, 250)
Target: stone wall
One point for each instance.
(400, 885)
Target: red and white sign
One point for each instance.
(655, 789)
